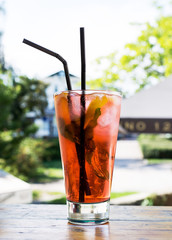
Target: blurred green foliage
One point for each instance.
(6, 98)
(156, 146)
(158, 200)
(36, 195)
(109, 74)
(51, 150)
(26, 158)
(151, 54)
(20, 96)
(30, 159)
(147, 60)
(29, 96)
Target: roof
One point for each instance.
(155, 102)
(61, 74)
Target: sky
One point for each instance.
(55, 25)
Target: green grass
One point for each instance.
(62, 199)
(120, 194)
(36, 195)
(55, 193)
(159, 161)
(48, 172)
(59, 198)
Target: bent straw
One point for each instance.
(56, 55)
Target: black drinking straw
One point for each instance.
(56, 55)
(83, 62)
(83, 180)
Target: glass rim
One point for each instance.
(90, 91)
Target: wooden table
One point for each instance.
(49, 222)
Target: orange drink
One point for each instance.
(87, 124)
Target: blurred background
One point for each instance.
(129, 49)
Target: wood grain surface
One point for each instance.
(49, 222)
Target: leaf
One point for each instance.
(89, 143)
(65, 130)
(90, 147)
(92, 155)
(91, 125)
(98, 166)
(93, 122)
(95, 104)
(103, 153)
(88, 156)
(68, 131)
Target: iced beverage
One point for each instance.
(88, 127)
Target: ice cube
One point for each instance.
(108, 114)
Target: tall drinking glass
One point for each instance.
(87, 123)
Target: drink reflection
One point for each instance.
(99, 232)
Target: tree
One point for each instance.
(29, 97)
(6, 98)
(24, 96)
(150, 56)
(109, 74)
(17, 99)
(147, 60)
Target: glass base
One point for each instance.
(88, 213)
